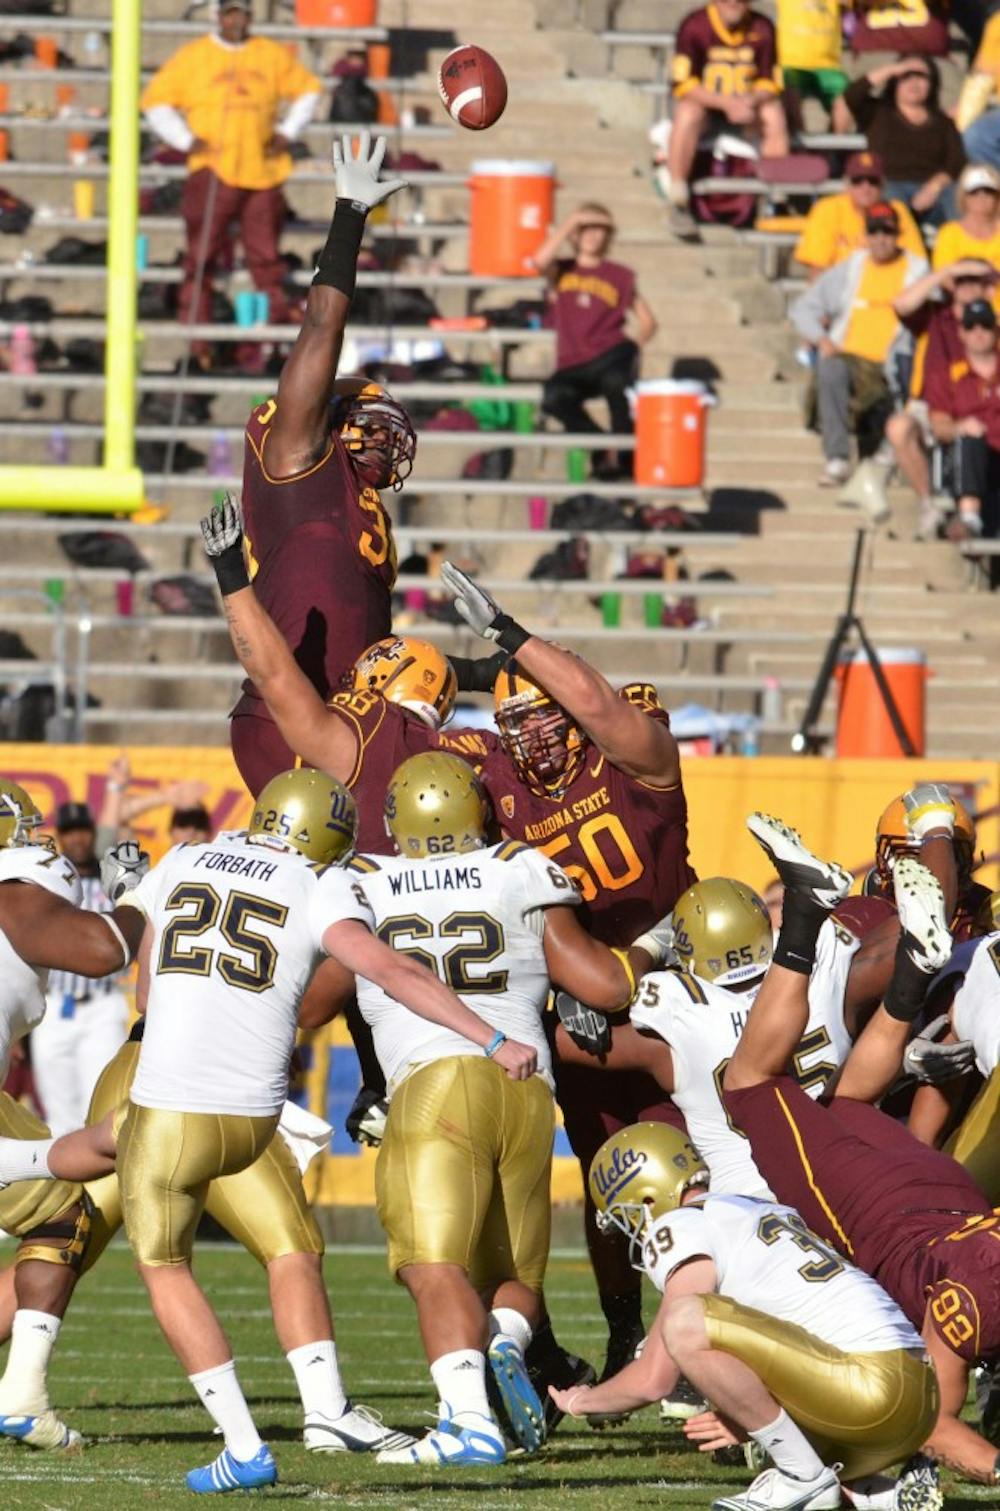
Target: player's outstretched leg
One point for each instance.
(510, 1335)
(822, 881)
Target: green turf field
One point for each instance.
(114, 1379)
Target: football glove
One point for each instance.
(222, 533)
(589, 1029)
(357, 175)
(658, 942)
(928, 806)
(122, 869)
(931, 1062)
(366, 1119)
(481, 612)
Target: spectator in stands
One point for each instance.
(901, 26)
(932, 310)
(835, 225)
(725, 74)
(848, 315)
(217, 99)
(896, 106)
(125, 800)
(590, 299)
(976, 232)
(977, 114)
(965, 411)
(191, 826)
(85, 1020)
(809, 48)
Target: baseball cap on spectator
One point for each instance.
(977, 176)
(881, 217)
(246, 5)
(979, 312)
(864, 165)
(73, 816)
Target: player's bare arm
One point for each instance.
(418, 989)
(317, 736)
(49, 932)
(598, 976)
(328, 993)
(629, 1050)
(300, 432)
(638, 745)
(953, 1442)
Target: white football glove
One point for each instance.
(658, 942)
(588, 1028)
(931, 1062)
(222, 529)
(928, 806)
(357, 175)
(122, 869)
(480, 611)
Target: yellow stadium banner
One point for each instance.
(836, 804)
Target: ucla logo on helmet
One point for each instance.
(610, 1179)
(341, 817)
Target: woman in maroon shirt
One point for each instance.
(589, 300)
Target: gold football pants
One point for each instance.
(975, 1143)
(865, 1411)
(464, 1171)
(166, 1161)
(27, 1204)
(263, 1207)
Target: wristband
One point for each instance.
(231, 570)
(508, 634)
(626, 964)
(495, 1043)
(126, 952)
(337, 266)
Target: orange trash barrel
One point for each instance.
(335, 12)
(510, 214)
(670, 432)
(863, 727)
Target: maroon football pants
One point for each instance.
(210, 208)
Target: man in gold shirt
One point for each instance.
(809, 47)
(848, 315)
(835, 225)
(217, 100)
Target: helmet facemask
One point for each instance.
(378, 427)
(542, 741)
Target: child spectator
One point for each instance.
(902, 26)
(835, 225)
(965, 411)
(590, 298)
(725, 74)
(977, 114)
(809, 48)
(976, 232)
(848, 315)
(896, 106)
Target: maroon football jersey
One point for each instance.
(321, 557)
(726, 62)
(387, 736)
(624, 842)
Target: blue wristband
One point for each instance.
(494, 1044)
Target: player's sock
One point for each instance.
(317, 1375)
(33, 1337)
(24, 1159)
(904, 996)
(220, 1394)
(460, 1378)
(789, 1448)
(507, 1324)
(801, 921)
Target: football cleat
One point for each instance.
(919, 1485)
(358, 1430)
(774, 1491)
(45, 1431)
(922, 917)
(478, 1440)
(683, 1403)
(988, 1401)
(555, 1365)
(823, 881)
(226, 1473)
(522, 1408)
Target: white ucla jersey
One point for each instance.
(22, 987)
(975, 1011)
(237, 928)
(702, 1024)
(477, 921)
(765, 1257)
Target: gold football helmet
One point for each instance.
(360, 408)
(436, 805)
(19, 816)
(308, 811)
(541, 739)
(722, 932)
(412, 673)
(640, 1173)
(892, 838)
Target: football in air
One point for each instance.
(472, 87)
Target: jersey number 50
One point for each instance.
(624, 868)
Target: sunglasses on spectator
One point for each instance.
(878, 229)
(865, 178)
(979, 323)
(914, 73)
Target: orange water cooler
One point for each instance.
(511, 211)
(863, 726)
(670, 432)
(335, 12)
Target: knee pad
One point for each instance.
(72, 1236)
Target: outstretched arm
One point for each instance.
(300, 432)
(49, 932)
(640, 746)
(318, 736)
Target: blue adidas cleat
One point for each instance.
(45, 1431)
(478, 1441)
(227, 1473)
(524, 1410)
